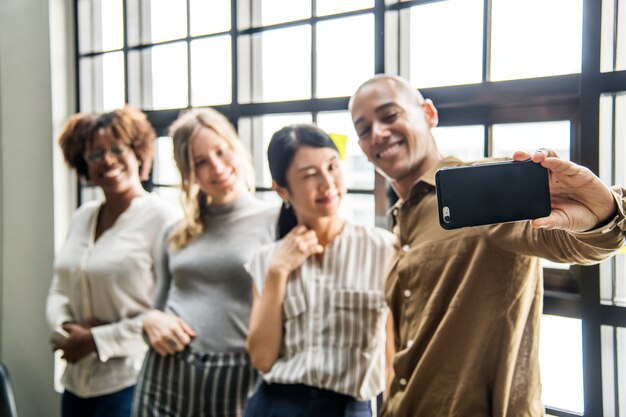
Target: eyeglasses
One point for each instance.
(97, 156)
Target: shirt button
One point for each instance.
(402, 382)
(409, 343)
(407, 293)
(406, 248)
(395, 212)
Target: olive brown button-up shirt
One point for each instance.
(466, 305)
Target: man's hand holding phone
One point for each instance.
(580, 200)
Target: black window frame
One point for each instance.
(573, 293)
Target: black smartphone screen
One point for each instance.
(491, 193)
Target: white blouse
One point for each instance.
(334, 314)
(111, 280)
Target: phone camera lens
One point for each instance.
(446, 214)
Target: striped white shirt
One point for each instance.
(334, 314)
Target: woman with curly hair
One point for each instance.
(197, 364)
(104, 277)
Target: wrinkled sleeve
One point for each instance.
(122, 338)
(257, 267)
(58, 310)
(583, 248)
(57, 304)
(162, 272)
(125, 337)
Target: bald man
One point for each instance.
(466, 303)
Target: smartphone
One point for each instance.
(490, 193)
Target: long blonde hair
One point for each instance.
(194, 200)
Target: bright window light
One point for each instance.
(535, 38)
(112, 25)
(112, 80)
(464, 142)
(561, 361)
(168, 20)
(285, 64)
(278, 11)
(359, 172)
(211, 71)
(209, 16)
(326, 7)
(446, 43)
(345, 55)
(269, 125)
(169, 76)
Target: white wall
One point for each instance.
(35, 97)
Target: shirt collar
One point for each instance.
(426, 181)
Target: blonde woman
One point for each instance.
(197, 364)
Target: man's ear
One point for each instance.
(432, 116)
(283, 192)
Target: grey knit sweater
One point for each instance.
(205, 282)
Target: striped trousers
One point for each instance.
(189, 384)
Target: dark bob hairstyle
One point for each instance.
(280, 154)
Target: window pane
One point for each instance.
(446, 43)
(613, 171)
(269, 196)
(285, 64)
(102, 82)
(508, 138)
(209, 16)
(168, 20)
(561, 361)
(278, 11)
(535, 38)
(170, 194)
(358, 172)
(89, 193)
(358, 209)
(326, 7)
(100, 25)
(256, 134)
(152, 21)
(464, 142)
(211, 71)
(345, 55)
(164, 171)
(613, 57)
(614, 371)
(158, 77)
